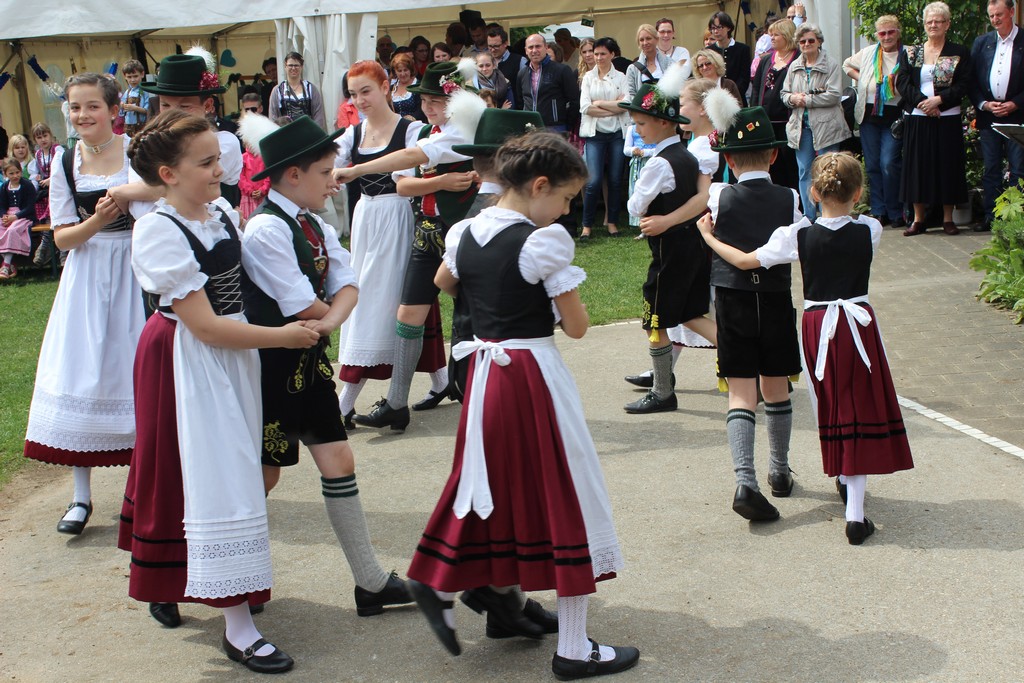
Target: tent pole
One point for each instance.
(22, 86)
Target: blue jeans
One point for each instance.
(995, 148)
(805, 156)
(883, 157)
(603, 151)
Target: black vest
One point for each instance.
(374, 184)
(686, 170)
(222, 266)
(836, 264)
(85, 202)
(502, 305)
(260, 308)
(748, 214)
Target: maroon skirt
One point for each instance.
(61, 456)
(860, 424)
(536, 535)
(432, 358)
(151, 527)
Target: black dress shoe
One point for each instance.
(433, 400)
(433, 609)
(782, 484)
(166, 613)
(841, 488)
(752, 505)
(394, 592)
(384, 415)
(985, 226)
(502, 611)
(645, 380)
(650, 403)
(257, 609)
(274, 663)
(534, 611)
(572, 669)
(73, 527)
(348, 421)
(856, 532)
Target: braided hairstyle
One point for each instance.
(836, 176)
(540, 153)
(163, 142)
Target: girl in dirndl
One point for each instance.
(526, 503)
(18, 214)
(194, 515)
(860, 425)
(83, 410)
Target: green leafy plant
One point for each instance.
(1002, 259)
(969, 19)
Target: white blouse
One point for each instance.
(707, 159)
(62, 204)
(594, 87)
(546, 255)
(162, 258)
(782, 245)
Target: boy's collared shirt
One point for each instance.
(133, 117)
(438, 148)
(715, 193)
(268, 256)
(655, 178)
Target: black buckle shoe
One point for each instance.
(384, 415)
(274, 663)
(645, 380)
(433, 400)
(650, 403)
(433, 609)
(166, 613)
(782, 484)
(856, 532)
(752, 505)
(533, 611)
(502, 611)
(394, 592)
(572, 669)
(74, 527)
(841, 488)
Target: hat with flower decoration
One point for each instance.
(661, 99)
(441, 79)
(737, 129)
(186, 76)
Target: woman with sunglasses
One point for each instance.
(877, 108)
(767, 92)
(710, 65)
(816, 124)
(295, 96)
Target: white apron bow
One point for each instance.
(855, 315)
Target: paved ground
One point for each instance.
(933, 596)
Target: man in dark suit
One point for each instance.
(736, 55)
(998, 96)
(548, 87)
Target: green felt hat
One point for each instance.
(498, 125)
(750, 132)
(184, 76)
(291, 141)
(651, 101)
(438, 76)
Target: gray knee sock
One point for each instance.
(408, 347)
(778, 418)
(341, 497)
(739, 424)
(662, 361)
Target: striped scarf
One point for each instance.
(885, 84)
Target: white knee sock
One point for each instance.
(448, 614)
(349, 394)
(240, 629)
(438, 380)
(83, 493)
(572, 630)
(8, 259)
(856, 485)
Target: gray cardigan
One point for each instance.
(634, 76)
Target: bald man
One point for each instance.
(548, 88)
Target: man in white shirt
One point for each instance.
(997, 93)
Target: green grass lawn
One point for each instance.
(615, 270)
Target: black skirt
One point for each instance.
(934, 161)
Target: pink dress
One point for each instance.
(251, 165)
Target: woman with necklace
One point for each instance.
(382, 229)
(767, 92)
(295, 96)
(932, 80)
(82, 411)
(878, 107)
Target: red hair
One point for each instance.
(370, 69)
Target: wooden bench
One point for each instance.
(55, 255)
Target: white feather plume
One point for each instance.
(464, 110)
(672, 81)
(200, 51)
(721, 108)
(467, 69)
(254, 127)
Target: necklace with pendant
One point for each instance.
(96, 149)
